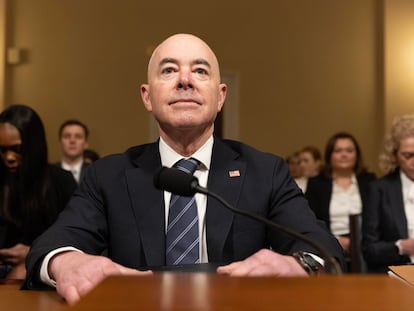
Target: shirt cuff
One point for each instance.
(44, 275)
(318, 259)
(398, 244)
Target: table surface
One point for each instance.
(208, 291)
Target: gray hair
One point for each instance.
(402, 127)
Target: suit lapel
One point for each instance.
(225, 178)
(148, 204)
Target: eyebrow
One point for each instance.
(198, 61)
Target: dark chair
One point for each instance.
(357, 262)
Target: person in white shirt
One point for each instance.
(296, 170)
(73, 138)
(341, 189)
(388, 220)
(311, 164)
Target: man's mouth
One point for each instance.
(184, 100)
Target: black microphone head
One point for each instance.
(176, 181)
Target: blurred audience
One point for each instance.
(296, 170)
(311, 163)
(90, 156)
(341, 189)
(32, 192)
(388, 220)
(73, 138)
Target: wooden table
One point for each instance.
(206, 291)
(14, 299)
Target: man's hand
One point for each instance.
(407, 246)
(77, 273)
(264, 263)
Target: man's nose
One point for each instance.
(185, 80)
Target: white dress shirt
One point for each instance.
(168, 158)
(408, 199)
(74, 169)
(344, 202)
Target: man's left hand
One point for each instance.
(264, 263)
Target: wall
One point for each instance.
(306, 69)
(399, 59)
(2, 52)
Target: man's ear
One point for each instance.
(222, 96)
(145, 96)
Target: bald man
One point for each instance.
(118, 209)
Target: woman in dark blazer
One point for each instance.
(32, 192)
(388, 220)
(341, 189)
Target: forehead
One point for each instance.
(9, 134)
(184, 49)
(407, 144)
(72, 128)
(344, 142)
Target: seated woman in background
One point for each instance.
(388, 220)
(311, 163)
(32, 192)
(342, 187)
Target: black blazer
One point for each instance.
(118, 208)
(319, 192)
(82, 172)
(61, 187)
(383, 223)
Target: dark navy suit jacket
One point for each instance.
(118, 208)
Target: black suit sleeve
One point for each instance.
(382, 225)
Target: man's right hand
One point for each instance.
(77, 273)
(407, 246)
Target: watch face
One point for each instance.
(313, 264)
(309, 259)
(308, 263)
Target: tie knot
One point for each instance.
(187, 165)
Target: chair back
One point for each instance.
(357, 262)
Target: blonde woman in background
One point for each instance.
(388, 220)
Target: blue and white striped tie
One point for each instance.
(182, 241)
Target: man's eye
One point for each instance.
(167, 70)
(201, 71)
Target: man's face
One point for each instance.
(184, 90)
(405, 156)
(73, 141)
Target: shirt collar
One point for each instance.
(406, 182)
(354, 179)
(76, 167)
(169, 157)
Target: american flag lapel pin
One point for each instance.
(234, 173)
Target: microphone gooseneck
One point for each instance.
(178, 182)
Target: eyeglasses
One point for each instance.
(13, 148)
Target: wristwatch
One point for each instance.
(307, 262)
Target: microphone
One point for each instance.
(181, 183)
